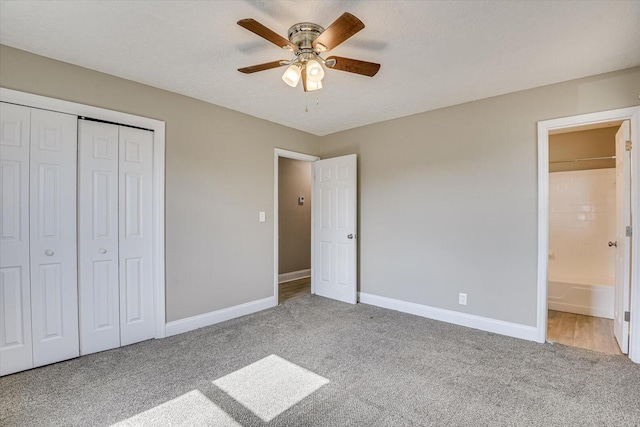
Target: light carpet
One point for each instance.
(383, 368)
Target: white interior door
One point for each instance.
(15, 293)
(623, 249)
(335, 226)
(98, 259)
(54, 290)
(135, 206)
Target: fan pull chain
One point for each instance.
(306, 107)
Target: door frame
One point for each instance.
(633, 115)
(158, 127)
(279, 152)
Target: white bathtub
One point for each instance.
(591, 296)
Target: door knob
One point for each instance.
(350, 236)
(613, 244)
(103, 251)
(48, 252)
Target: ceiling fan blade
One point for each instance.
(343, 28)
(262, 67)
(355, 66)
(267, 34)
(304, 80)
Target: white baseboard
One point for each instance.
(200, 321)
(501, 327)
(294, 275)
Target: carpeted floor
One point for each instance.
(383, 368)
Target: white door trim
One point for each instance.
(633, 115)
(158, 127)
(279, 152)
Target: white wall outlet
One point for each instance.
(462, 299)
(262, 217)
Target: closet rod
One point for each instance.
(111, 123)
(585, 159)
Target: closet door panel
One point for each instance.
(15, 294)
(98, 236)
(54, 304)
(136, 280)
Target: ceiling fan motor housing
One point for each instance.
(303, 34)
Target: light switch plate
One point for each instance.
(262, 217)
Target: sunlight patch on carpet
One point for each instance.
(190, 409)
(270, 386)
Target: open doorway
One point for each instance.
(334, 213)
(582, 236)
(294, 228)
(588, 192)
(293, 216)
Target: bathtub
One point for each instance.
(591, 296)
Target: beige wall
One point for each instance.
(583, 145)
(448, 198)
(219, 175)
(294, 219)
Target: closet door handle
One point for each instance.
(48, 252)
(613, 244)
(102, 251)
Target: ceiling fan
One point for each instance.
(307, 41)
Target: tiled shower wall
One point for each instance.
(581, 223)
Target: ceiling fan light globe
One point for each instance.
(292, 76)
(315, 72)
(313, 86)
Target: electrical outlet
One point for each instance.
(462, 299)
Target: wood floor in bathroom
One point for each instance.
(592, 333)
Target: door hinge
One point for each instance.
(627, 316)
(627, 145)
(629, 231)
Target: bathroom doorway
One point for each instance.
(582, 236)
(585, 231)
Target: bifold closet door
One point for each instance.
(15, 293)
(38, 270)
(98, 242)
(135, 242)
(115, 208)
(54, 290)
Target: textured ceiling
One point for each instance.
(433, 54)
